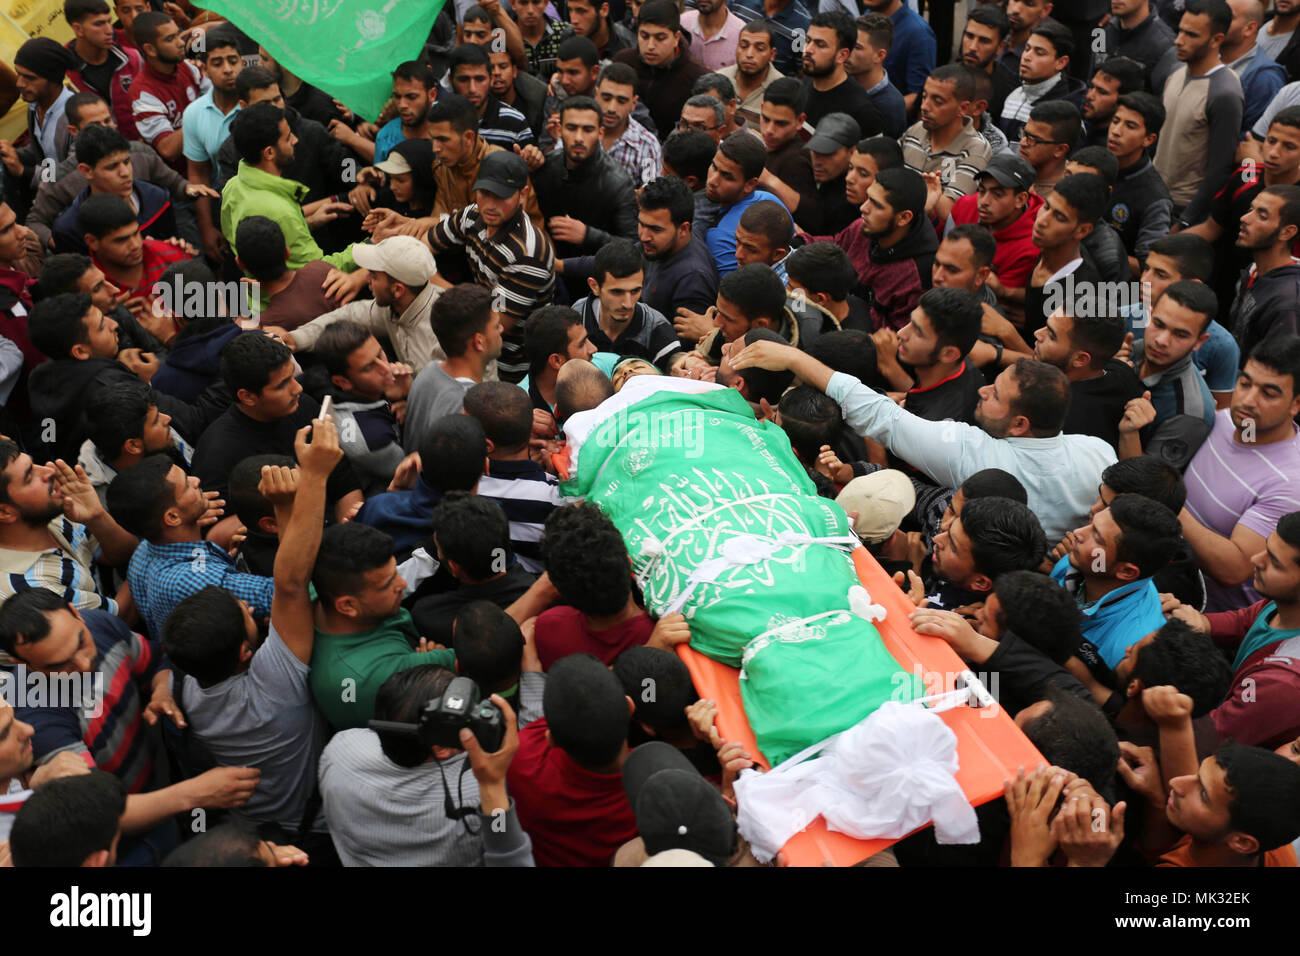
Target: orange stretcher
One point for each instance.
(990, 747)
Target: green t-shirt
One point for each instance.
(348, 669)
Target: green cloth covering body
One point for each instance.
(347, 48)
(366, 659)
(681, 476)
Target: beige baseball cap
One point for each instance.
(405, 258)
(395, 164)
(881, 501)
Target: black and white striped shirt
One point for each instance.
(517, 262)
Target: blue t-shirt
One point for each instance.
(388, 136)
(721, 238)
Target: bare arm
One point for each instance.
(299, 502)
(1227, 560)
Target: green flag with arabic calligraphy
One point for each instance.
(348, 48)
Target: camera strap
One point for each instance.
(452, 809)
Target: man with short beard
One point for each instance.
(1203, 106)
(831, 39)
(52, 524)
(586, 198)
(981, 40)
(414, 90)
(164, 87)
(623, 137)
(1027, 403)
(754, 70)
(523, 91)
(590, 19)
(1243, 479)
(265, 143)
(1115, 77)
(1268, 294)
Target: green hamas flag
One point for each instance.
(723, 524)
(347, 48)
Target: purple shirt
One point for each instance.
(1230, 483)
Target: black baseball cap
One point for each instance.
(502, 174)
(1010, 170)
(675, 807)
(834, 132)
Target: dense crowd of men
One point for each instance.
(1028, 308)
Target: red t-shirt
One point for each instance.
(574, 816)
(158, 255)
(564, 630)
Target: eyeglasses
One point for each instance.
(1029, 139)
(687, 124)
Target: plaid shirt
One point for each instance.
(163, 575)
(541, 58)
(517, 263)
(638, 151)
(67, 568)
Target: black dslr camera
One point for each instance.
(442, 718)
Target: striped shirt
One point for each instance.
(67, 568)
(959, 163)
(527, 494)
(504, 126)
(638, 152)
(113, 738)
(1232, 483)
(516, 262)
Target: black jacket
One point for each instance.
(597, 191)
(62, 389)
(663, 89)
(1270, 305)
(1140, 208)
(1146, 43)
(1104, 248)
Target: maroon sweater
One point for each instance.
(1262, 708)
(891, 279)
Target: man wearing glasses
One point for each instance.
(1049, 136)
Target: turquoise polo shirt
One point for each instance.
(205, 128)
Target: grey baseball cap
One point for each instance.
(834, 132)
(1010, 170)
